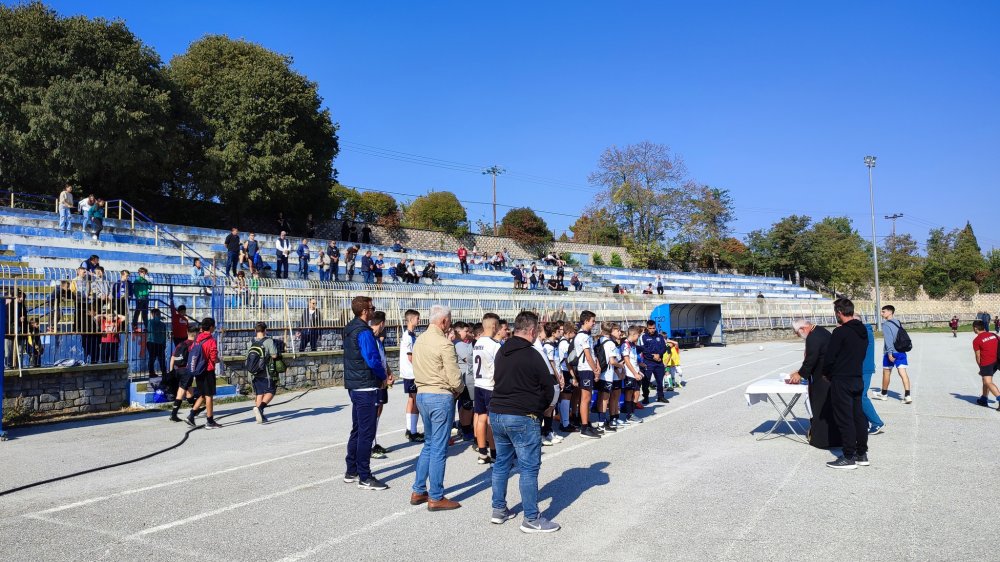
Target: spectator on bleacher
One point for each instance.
(518, 276)
(366, 234)
(240, 290)
(64, 206)
(17, 326)
(333, 255)
(379, 266)
(283, 225)
(560, 273)
(430, 272)
(550, 259)
(463, 259)
(506, 255)
(250, 249)
(100, 289)
(648, 290)
(90, 335)
(617, 290)
(398, 272)
(411, 271)
(309, 327)
(541, 278)
(156, 344)
(310, 227)
(366, 268)
(283, 248)
(179, 321)
(111, 326)
(198, 275)
(659, 285)
(141, 288)
(397, 247)
(121, 292)
(91, 263)
(575, 282)
(84, 208)
(96, 216)
(349, 256)
(303, 253)
(233, 245)
(80, 285)
(254, 288)
(62, 295)
(323, 265)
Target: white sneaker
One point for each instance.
(555, 438)
(546, 441)
(907, 400)
(880, 396)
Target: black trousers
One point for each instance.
(281, 268)
(845, 396)
(154, 354)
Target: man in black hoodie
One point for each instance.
(522, 390)
(845, 357)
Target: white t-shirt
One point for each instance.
(406, 355)
(552, 352)
(85, 206)
(629, 350)
(610, 352)
(583, 342)
(563, 352)
(484, 355)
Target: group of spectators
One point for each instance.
(91, 209)
(534, 278)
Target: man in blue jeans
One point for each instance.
(522, 390)
(439, 381)
(364, 375)
(232, 244)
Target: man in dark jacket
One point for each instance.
(845, 356)
(522, 390)
(823, 432)
(364, 375)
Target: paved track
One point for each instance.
(690, 483)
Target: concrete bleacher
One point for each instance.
(707, 284)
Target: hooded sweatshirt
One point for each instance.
(210, 348)
(845, 354)
(522, 384)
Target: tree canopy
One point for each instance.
(438, 210)
(526, 228)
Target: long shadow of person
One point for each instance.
(966, 397)
(569, 486)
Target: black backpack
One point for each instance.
(181, 353)
(903, 342)
(572, 356)
(600, 355)
(257, 360)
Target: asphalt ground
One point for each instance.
(691, 482)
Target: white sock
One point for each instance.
(411, 422)
(564, 412)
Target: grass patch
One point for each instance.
(962, 328)
(16, 412)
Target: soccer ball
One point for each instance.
(760, 348)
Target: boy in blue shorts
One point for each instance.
(892, 357)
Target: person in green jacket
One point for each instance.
(141, 288)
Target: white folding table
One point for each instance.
(774, 391)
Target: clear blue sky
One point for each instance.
(776, 101)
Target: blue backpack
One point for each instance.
(197, 362)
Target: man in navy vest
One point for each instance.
(364, 375)
(653, 347)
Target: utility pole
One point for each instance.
(870, 163)
(494, 171)
(893, 217)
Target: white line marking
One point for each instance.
(737, 366)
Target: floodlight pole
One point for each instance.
(870, 163)
(494, 171)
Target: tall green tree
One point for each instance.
(991, 284)
(937, 281)
(82, 101)
(838, 256)
(438, 210)
(901, 266)
(781, 249)
(526, 228)
(596, 226)
(708, 224)
(966, 266)
(269, 144)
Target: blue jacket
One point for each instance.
(363, 366)
(650, 345)
(303, 251)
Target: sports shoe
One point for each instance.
(608, 428)
(639, 406)
(861, 460)
(589, 432)
(484, 459)
(263, 418)
(540, 525)
(876, 429)
(211, 424)
(372, 484)
(645, 400)
(556, 438)
(907, 399)
(624, 421)
(454, 432)
(880, 396)
(174, 418)
(983, 401)
(598, 428)
(501, 516)
(568, 428)
(414, 437)
(377, 453)
(350, 478)
(663, 400)
(842, 464)
(190, 420)
(546, 441)
(258, 415)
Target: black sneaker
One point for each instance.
(589, 432)
(372, 484)
(982, 401)
(350, 478)
(190, 420)
(174, 418)
(608, 428)
(598, 428)
(485, 459)
(414, 437)
(211, 424)
(842, 464)
(567, 429)
(645, 400)
(861, 460)
(663, 400)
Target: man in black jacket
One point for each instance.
(823, 432)
(845, 356)
(522, 390)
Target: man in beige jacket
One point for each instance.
(439, 381)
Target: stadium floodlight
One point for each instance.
(870, 163)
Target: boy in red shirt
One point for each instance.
(204, 356)
(985, 347)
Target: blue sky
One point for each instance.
(777, 102)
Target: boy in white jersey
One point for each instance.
(483, 356)
(463, 349)
(551, 332)
(570, 392)
(606, 385)
(406, 342)
(632, 381)
(586, 366)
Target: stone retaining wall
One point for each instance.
(311, 369)
(60, 391)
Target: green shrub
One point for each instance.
(596, 259)
(616, 260)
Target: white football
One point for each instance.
(760, 348)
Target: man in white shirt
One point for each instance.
(85, 205)
(64, 206)
(282, 247)
(406, 341)
(483, 358)
(586, 366)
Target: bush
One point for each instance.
(568, 258)
(616, 260)
(596, 259)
